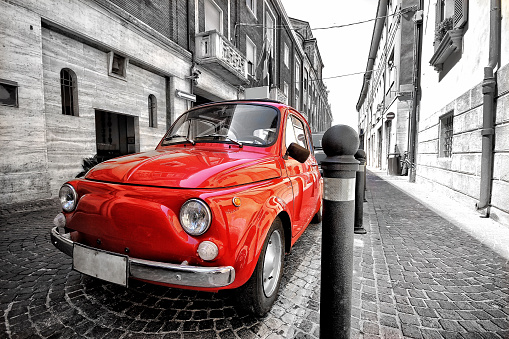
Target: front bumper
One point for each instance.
(160, 272)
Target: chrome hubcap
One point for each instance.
(272, 263)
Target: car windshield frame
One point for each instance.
(231, 123)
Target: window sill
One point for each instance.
(452, 42)
(118, 76)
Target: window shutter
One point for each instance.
(460, 13)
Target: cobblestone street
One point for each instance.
(416, 275)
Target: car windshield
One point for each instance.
(241, 124)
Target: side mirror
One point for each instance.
(297, 152)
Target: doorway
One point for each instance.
(115, 135)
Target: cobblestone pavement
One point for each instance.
(415, 275)
(419, 276)
(40, 296)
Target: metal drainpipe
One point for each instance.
(488, 130)
(416, 79)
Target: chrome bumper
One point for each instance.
(175, 274)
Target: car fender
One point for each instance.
(252, 242)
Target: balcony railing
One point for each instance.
(217, 54)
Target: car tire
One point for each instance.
(258, 294)
(317, 218)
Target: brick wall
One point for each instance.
(156, 14)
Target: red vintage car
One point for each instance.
(217, 204)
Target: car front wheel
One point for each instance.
(261, 290)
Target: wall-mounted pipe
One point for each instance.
(489, 86)
(416, 96)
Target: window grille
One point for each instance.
(152, 111)
(68, 92)
(446, 135)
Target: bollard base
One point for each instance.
(359, 230)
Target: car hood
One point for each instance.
(188, 168)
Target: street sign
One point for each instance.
(390, 116)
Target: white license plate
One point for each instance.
(103, 265)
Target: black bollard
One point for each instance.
(359, 193)
(365, 187)
(339, 143)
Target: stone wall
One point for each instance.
(41, 147)
(459, 175)
(23, 164)
(72, 138)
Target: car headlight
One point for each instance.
(68, 197)
(195, 217)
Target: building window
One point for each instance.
(8, 93)
(450, 17)
(451, 13)
(251, 4)
(250, 56)
(286, 55)
(305, 87)
(297, 84)
(446, 134)
(213, 17)
(69, 92)
(152, 111)
(286, 91)
(117, 65)
(270, 30)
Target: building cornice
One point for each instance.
(451, 42)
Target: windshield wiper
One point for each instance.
(215, 135)
(179, 136)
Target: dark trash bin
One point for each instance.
(394, 165)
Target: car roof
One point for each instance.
(242, 101)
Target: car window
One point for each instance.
(295, 132)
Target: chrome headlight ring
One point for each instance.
(68, 197)
(195, 217)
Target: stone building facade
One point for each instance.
(384, 104)
(108, 77)
(457, 131)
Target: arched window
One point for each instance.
(152, 111)
(69, 91)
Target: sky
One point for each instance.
(344, 50)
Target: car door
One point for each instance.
(303, 176)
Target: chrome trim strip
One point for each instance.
(175, 274)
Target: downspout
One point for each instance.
(375, 42)
(416, 79)
(489, 85)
